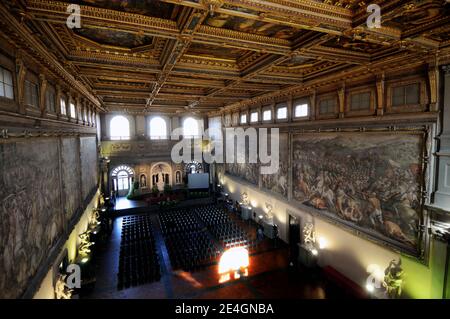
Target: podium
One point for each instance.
(246, 212)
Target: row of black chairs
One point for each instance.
(177, 221)
(191, 251)
(197, 236)
(231, 235)
(138, 259)
(212, 215)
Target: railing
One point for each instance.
(148, 148)
(139, 148)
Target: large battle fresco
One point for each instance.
(70, 170)
(371, 181)
(30, 210)
(89, 165)
(114, 37)
(247, 171)
(278, 182)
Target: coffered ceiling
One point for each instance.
(202, 55)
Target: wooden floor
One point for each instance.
(270, 275)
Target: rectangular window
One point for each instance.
(254, 117)
(72, 111)
(360, 101)
(63, 106)
(50, 99)
(243, 118)
(267, 115)
(31, 94)
(327, 106)
(301, 110)
(282, 113)
(406, 95)
(6, 84)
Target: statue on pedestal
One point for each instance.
(61, 289)
(244, 199)
(269, 214)
(393, 279)
(309, 235)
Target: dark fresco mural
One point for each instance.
(39, 193)
(70, 171)
(213, 51)
(115, 38)
(278, 182)
(89, 166)
(30, 210)
(368, 180)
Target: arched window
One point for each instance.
(190, 128)
(158, 128)
(119, 128)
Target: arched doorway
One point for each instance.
(122, 178)
(161, 175)
(193, 168)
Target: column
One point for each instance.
(442, 194)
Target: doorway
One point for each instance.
(122, 178)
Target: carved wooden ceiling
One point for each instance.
(202, 55)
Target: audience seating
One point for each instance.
(197, 236)
(138, 259)
(190, 251)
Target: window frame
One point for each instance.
(257, 116)
(324, 97)
(50, 95)
(4, 84)
(158, 137)
(299, 102)
(63, 98)
(28, 84)
(119, 137)
(407, 108)
(243, 120)
(72, 110)
(281, 106)
(264, 111)
(198, 127)
(356, 91)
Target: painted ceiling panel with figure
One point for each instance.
(115, 38)
(248, 25)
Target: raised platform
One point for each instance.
(125, 206)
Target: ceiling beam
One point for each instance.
(177, 48)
